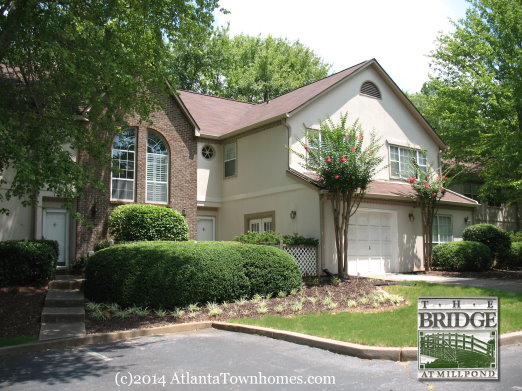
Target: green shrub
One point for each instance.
(78, 265)
(273, 238)
(101, 245)
(27, 263)
(135, 222)
(462, 256)
(514, 258)
(176, 274)
(516, 236)
(492, 236)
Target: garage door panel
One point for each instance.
(370, 243)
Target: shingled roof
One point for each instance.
(397, 190)
(218, 116)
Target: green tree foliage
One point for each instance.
(346, 164)
(474, 97)
(429, 188)
(244, 67)
(72, 71)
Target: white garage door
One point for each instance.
(370, 243)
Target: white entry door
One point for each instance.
(55, 227)
(370, 245)
(206, 228)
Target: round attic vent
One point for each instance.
(207, 152)
(370, 89)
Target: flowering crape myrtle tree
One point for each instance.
(346, 162)
(429, 188)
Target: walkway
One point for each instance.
(491, 283)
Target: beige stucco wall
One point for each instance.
(210, 175)
(387, 117)
(263, 185)
(406, 234)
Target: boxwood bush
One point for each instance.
(514, 259)
(492, 236)
(135, 222)
(174, 274)
(516, 236)
(27, 263)
(462, 256)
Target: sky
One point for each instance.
(400, 34)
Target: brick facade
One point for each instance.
(95, 206)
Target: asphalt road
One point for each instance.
(170, 362)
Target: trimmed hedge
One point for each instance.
(492, 236)
(135, 222)
(462, 256)
(516, 236)
(514, 259)
(27, 263)
(175, 274)
(274, 238)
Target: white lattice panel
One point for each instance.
(306, 257)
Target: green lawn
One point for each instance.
(9, 341)
(389, 328)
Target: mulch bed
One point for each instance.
(353, 289)
(20, 311)
(494, 273)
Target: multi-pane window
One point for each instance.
(401, 161)
(123, 164)
(442, 229)
(230, 158)
(260, 225)
(157, 168)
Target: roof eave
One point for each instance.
(184, 108)
(244, 129)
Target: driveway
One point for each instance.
(490, 283)
(220, 356)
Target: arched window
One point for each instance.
(370, 89)
(123, 164)
(157, 168)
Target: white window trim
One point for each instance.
(229, 160)
(436, 219)
(417, 150)
(159, 182)
(125, 179)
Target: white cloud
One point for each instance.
(399, 34)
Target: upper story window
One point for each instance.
(370, 89)
(401, 161)
(123, 163)
(442, 229)
(157, 168)
(230, 159)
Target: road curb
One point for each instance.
(101, 338)
(332, 345)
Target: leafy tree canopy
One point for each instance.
(244, 67)
(474, 97)
(71, 71)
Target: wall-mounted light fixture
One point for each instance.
(293, 213)
(411, 217)
(467, 221)
(184, 213)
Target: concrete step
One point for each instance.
(64, 298)
(67, 281)
(63, 314)
(61, 330)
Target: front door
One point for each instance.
(55, 227)
(206, 228)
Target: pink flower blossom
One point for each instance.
(426, 185)
(434, 194)
(412, 179)
(360, 138)
(343, 159)
(353, 149)
(337, 176)
(328, 160)
(306, 147)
